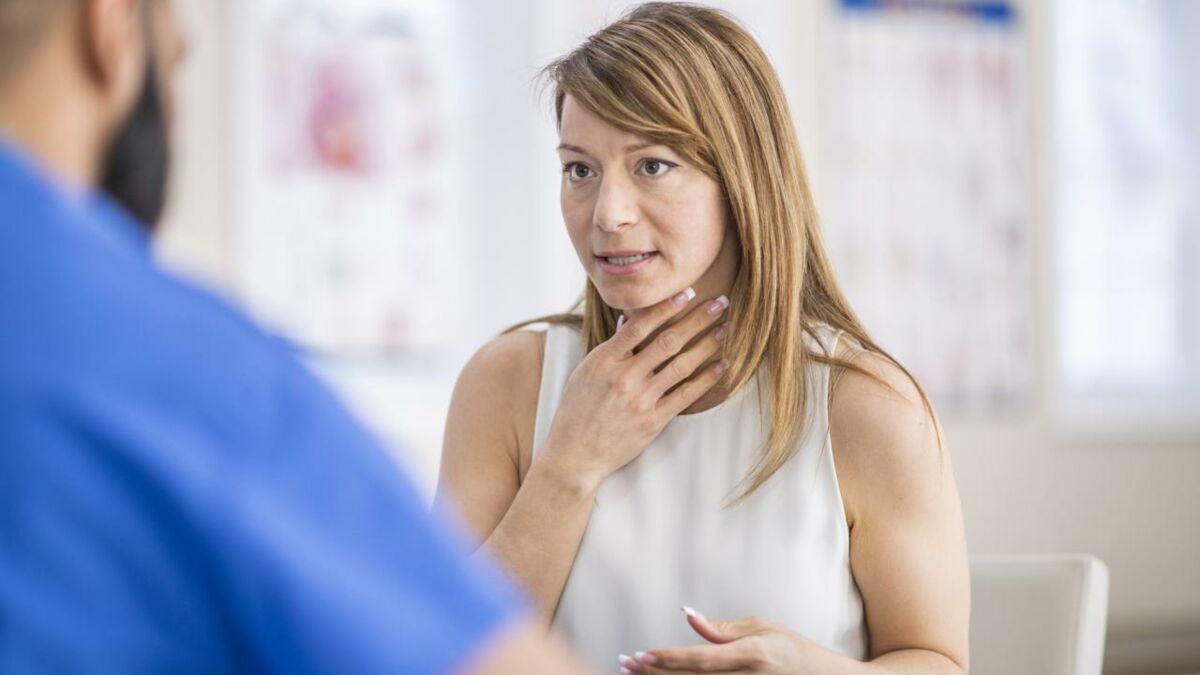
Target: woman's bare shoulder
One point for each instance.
(878, 382)
(497, 391)
(508, 358)
(886, 443)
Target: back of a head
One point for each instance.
(86, 88)
(23, 23)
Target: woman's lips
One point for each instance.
(625, 263)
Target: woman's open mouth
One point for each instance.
(624, 263)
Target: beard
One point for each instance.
(134, 171)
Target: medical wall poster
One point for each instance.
(344, 170)
(926, 206)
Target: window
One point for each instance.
(1125, 173)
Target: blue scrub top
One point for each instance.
(178, 494)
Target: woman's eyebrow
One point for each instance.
(629, 149)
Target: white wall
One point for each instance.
(196, 235)
(1025, 489)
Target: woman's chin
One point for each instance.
(629, 299)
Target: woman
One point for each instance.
(713, 427)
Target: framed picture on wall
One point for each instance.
(344, 160)
(927, 198)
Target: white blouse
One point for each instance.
(659, 537)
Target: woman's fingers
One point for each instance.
(701, 659)
(634, 332)
(674, 338)
(686, 364)
(719, 631)
(691, 390)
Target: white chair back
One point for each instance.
(1038, 615)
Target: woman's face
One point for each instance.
(644, 223)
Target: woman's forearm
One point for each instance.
(538, 538)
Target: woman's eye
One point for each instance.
(656, 167)
(577, 171)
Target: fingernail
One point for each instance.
(685, 296)
(626, 662)
(719, 305)
(721, 332)
(721, 367)
(626, 671)
(688, 610)
(620, 321)
(648, 659)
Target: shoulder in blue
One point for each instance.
(179, 494)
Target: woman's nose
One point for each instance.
(616, 205)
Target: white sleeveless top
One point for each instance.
(659, 538)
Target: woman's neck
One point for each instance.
(716, 282)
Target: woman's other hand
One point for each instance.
(742, 646)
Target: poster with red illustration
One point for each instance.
(344, 139)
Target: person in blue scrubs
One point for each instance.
(177, 493)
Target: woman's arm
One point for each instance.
(534, 527)
(907, 547)
(614, 404)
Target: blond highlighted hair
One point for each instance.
(691, 78)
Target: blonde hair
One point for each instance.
(690, 77)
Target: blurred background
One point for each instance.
(1008, 190)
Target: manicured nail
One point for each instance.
(628, 665)
(648, 659)
(688, 610)
(721, 332)
(721, 367)
(685, 296)
(620, 321)
(626, 671)
(719, 305)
